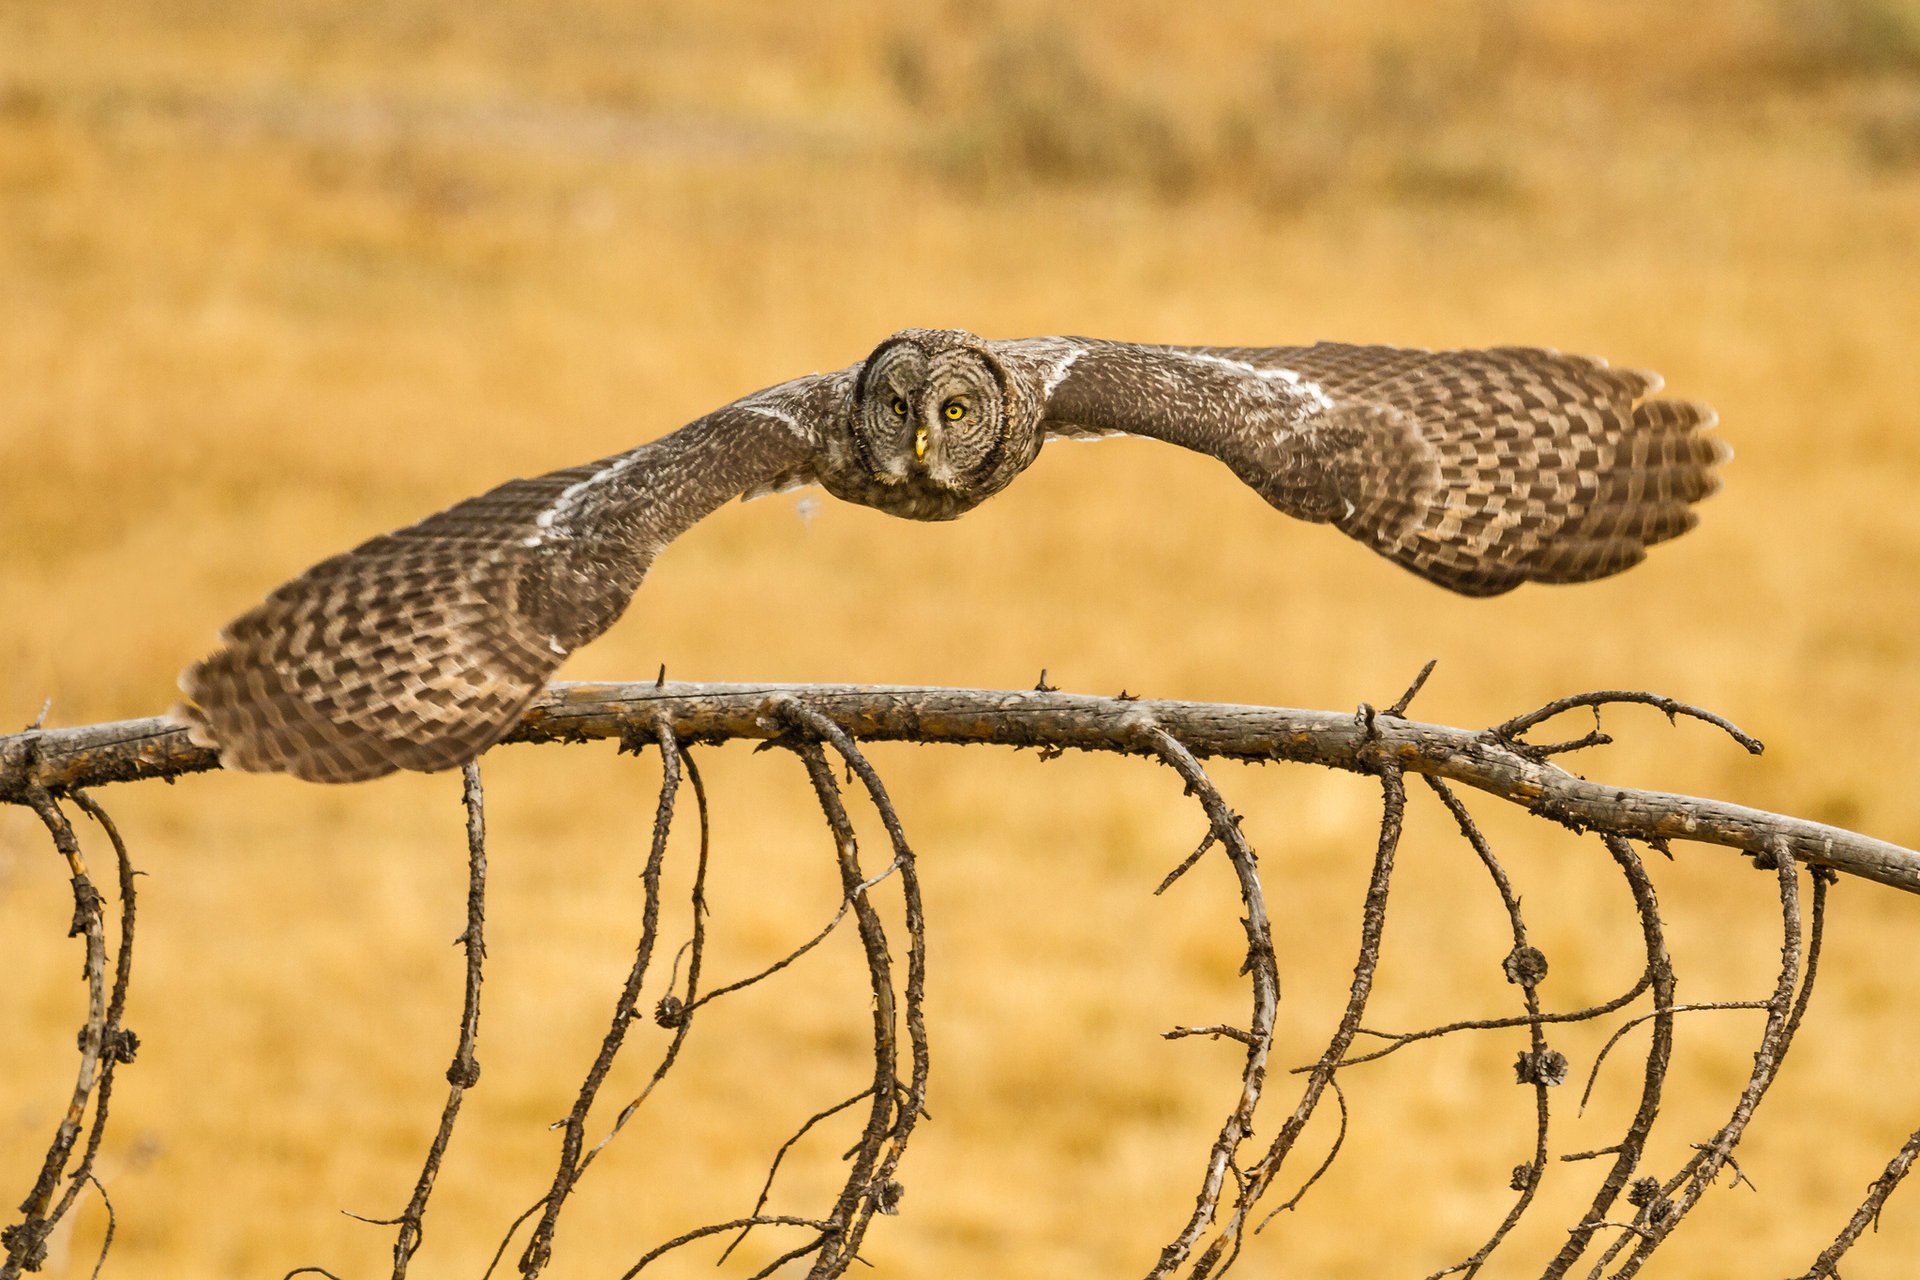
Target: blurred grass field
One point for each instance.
(273, 278)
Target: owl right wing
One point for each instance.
(421, 648)
(1478, 470)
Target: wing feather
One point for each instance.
(421, 648)
(1478, 470)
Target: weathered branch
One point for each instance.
(25, 1242)
(45, 769)
(57, 760)
(464, 1073)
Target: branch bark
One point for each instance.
(57, 760)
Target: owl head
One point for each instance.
(939, 425)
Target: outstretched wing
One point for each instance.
(1478, 470)
(423, 647)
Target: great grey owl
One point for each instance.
(1478, 470)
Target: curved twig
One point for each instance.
(26, 1240)
(534, 1258)
(1825, 1267)
(1627, 1152)
(118, 1045)
(43, 767)
(883, 1193)
(464, 1072)
(1620, 1032)
(1399, 1040)
(1528, 976)
(826, 1230)
(1264, 971)
(1510, 730)
(1784, 1012)
(673, 1011)
(773, 1170)
(873, 938)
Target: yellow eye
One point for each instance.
(955, 411)
(899, 407)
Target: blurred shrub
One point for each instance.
(1889, 134)
(1851, 37)
(1032, 106)
(1034, 109)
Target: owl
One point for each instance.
(1477, 470)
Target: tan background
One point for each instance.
(273, 278)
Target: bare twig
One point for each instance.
(42, 767)
(26, 1240)
(883, 1192)
(1659, 1054)
(1399, 708)
(1373, 917)
(826, 1230)
(1784, 1012)
(773, 1170)
(873, 939)
(1186, 864)
(540, 1245)
(1526, 968)
(1512, 729)
(113, 1225)
(118, 1045)
(1333, 1150)
(464, 1073)
(1600, 1058)
(673, 1011)
(1264, 971)
(1825, 1267)
(1398, 1040)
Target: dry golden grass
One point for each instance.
(275, 277)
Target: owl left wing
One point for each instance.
(421, 648)
(1478, 470)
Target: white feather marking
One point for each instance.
(1311, 390)
(544, 521)
(778, 415)
(1058, 372)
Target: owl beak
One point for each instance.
(919, 443)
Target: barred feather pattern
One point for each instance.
(411, 651)
(422, 648)
(1478, 470)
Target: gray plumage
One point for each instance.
(1478, 470)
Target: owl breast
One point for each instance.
(912, 497)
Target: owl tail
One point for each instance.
(1494, 468)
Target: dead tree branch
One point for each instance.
(1488, 760)
(824, 727)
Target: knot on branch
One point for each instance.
(886, 1196)
(1541, 1066)
(1525, 966)
(86, 905)
(1656, 1209)
(26, 1243)
(818, 725)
